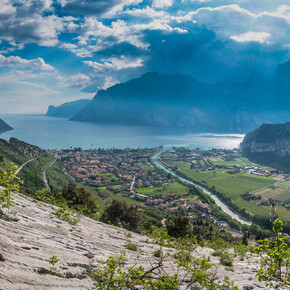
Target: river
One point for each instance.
(221, 204)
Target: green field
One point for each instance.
(174, 187)
(241, 161)
(232, 184)
(281, 192)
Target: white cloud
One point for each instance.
(109, 83)
(145, 12)
(18, 62)
(162, 3)
(6, 7)
(115, 64)
(79, 80)
(260, 37)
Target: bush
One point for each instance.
(275, 259)
(178, 226)
(226, 260)
(131, 246)
(119, 214)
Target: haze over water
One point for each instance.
(49, 133)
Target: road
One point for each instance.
(44, 175)
(132, 184)
(19, 169)
(220, 203)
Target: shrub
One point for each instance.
(275, 258)
(10, 182)
(66, 215)
(131, 246)
(118, 213)
(53, 270)
(178, 226)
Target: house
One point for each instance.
(173, 209)
(162, 206)
(202, 206)
(141, 196)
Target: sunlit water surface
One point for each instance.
(49, 133)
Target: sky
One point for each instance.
(55, 51)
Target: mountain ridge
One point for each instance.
(66, 110)
(269, 144)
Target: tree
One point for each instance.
(10, 183)
(275, 258)
(118, 213)
(178, 226)
(79, 199)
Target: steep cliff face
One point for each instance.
(269, 144)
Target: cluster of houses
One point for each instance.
(99, 169)
(170, 203)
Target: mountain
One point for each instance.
(182, 101)
(270, 145)
(67, 110)
(4, 127)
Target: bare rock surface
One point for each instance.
(27, 244)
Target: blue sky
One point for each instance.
(54, 51)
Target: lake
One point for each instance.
(49, 133)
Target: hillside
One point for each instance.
(67, 110)
(269, 144)
(182, 101)
(28, 244)
(4, 127)
(19, 152)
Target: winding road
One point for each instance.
(44, 174)
(221, 204)
(19, 169)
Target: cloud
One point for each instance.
(18, 62)
(162, 3)
(104, 8)
(79, 80)
(109, 83)
(115, 64)
(260, 37)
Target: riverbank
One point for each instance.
(219, 203)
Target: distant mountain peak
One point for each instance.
(67, 110)
(4, 127)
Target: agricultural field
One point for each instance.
(174, 187)
(281, 192)
(241, 161)
(234, 185)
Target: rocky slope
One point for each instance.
(270, 143)
(4, 127)
(27, 244)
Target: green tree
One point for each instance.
(178, 226)
(10, 183)
(118, 213)
(275, 258)
(79, 199)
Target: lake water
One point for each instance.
(50, 133)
